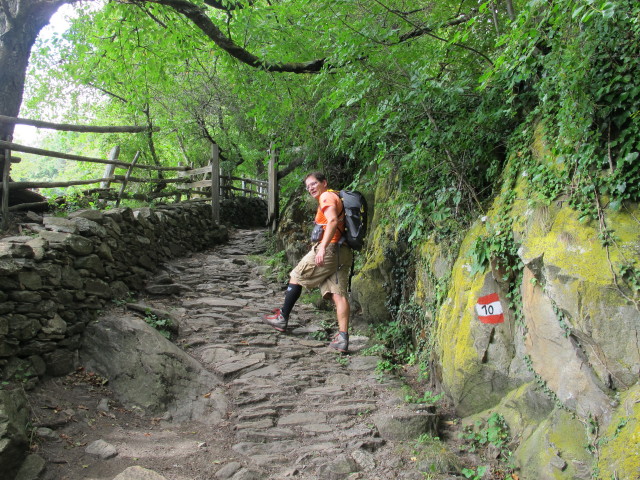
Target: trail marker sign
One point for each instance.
(489, 309)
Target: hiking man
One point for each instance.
(326, 265)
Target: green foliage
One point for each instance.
(342, 360)
(427, 397)
(21, 373)
(630, 274)
(395, 339)
(492, 432)
(75, 200)
(589, 117)
(476, 474)
(276, 260)
(326, 329)
(400, 94)
(161, 324)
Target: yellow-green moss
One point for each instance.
(425, 270)
(620, 444)
(539, 147)
(457, 355)
(555, 450)
(575, 247)
(369, 286)
(551, 441)
(523, 408)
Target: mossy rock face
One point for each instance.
(575, 274)
(524, 409)
(370, 287)
(478, 360)
(368, 298)
(552, 441)
(579, 328)
(620, 443)
(556, 449)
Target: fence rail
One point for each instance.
(205, 181)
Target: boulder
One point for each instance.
(14, 443)
(371, 285)
(147, 371)
(405, 425)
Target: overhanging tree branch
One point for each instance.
(418, 32)
(109, 93)
(295, 163)
(227, 6)
(429, 31)
(199, 18)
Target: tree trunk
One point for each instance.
(510, 11)
(20, 24)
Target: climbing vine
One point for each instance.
(589, 119)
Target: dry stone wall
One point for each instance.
(59, 272)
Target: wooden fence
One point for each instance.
(207, 181)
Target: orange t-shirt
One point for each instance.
(328, 199)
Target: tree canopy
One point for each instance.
(437, 93)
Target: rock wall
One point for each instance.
(563, 365)
(61, 271)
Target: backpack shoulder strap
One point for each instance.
(337, 194)
(342, 230)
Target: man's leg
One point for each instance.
(280, 316)
(342, 311)
(341, 340)
(290, 298)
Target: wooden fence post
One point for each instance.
(126, 177)
(110, 168)
(5, 157)
(215, 183)
(272, 199)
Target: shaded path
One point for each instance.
(295, 407)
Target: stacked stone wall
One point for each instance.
(60, 271)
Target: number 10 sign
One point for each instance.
(489, 309)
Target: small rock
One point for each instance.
(31, 468)
(34, 217)
(405, 425)
(339, 379)
(245, 474)
(103, 405)
(364, 363)
(364, 459)
(228, 470)
(558, 463)
(101, 449)
(138, 473)
(46, 433)
(339, 468)
(290, 472)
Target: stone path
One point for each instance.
(295, 408)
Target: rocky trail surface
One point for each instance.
(228, 397)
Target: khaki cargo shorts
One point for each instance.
(332, 277)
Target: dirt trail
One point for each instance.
(296, 409)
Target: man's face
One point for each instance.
(314, 187)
